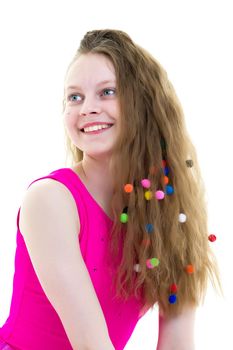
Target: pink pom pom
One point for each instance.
(159, 195)
(148, 264)
(145, 183)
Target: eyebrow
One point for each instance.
(100, 83)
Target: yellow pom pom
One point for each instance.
(148, 195)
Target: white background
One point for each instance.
(193, 41)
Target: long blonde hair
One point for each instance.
(153, 132)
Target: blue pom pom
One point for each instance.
(169, 189)
(149, 228)
(172, 299)
(166, 170)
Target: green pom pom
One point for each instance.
(154, 261)
(124, 218)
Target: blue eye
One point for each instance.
(70, 96)
(103, 91)
(109, 90)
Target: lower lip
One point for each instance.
(97, 131)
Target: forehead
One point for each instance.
(90, 69)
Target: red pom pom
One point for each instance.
(173, 288)
(164, 163)
(212, 238)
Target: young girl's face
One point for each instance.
(91, 97)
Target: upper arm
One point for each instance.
(49, 224)
(177, 332)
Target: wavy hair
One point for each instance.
(162, 260)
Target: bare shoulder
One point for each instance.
(51, 198)
(49, 187)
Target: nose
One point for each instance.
(90, 106)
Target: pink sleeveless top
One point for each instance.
(33, 323)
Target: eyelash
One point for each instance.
(70, 96)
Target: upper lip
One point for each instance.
(94, 123)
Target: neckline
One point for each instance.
(89, 194)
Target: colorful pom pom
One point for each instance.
(145, 183)
(173, 288)
(182, 217)
(172, 299)
(124, 218)
(151, 263)
(148, 195)
(166, 170)
(149, 228)
(212, 238)
(159, 195)
(164, 163)
(169, 189)
(189, 269)
(137, 268)
(165, 180)
(128, 188)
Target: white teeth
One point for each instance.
(96, 127)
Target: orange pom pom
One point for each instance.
(165, 180)
(128, 188)
(189, 269)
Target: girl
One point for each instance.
(125, 226)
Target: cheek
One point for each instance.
(115, 109)
(70, 124)
(70, 119)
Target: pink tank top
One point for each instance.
(33, 323)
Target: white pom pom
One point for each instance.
(137, 268)
(182, 217)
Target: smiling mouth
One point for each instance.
(96, 131)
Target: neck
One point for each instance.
(98, 174)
